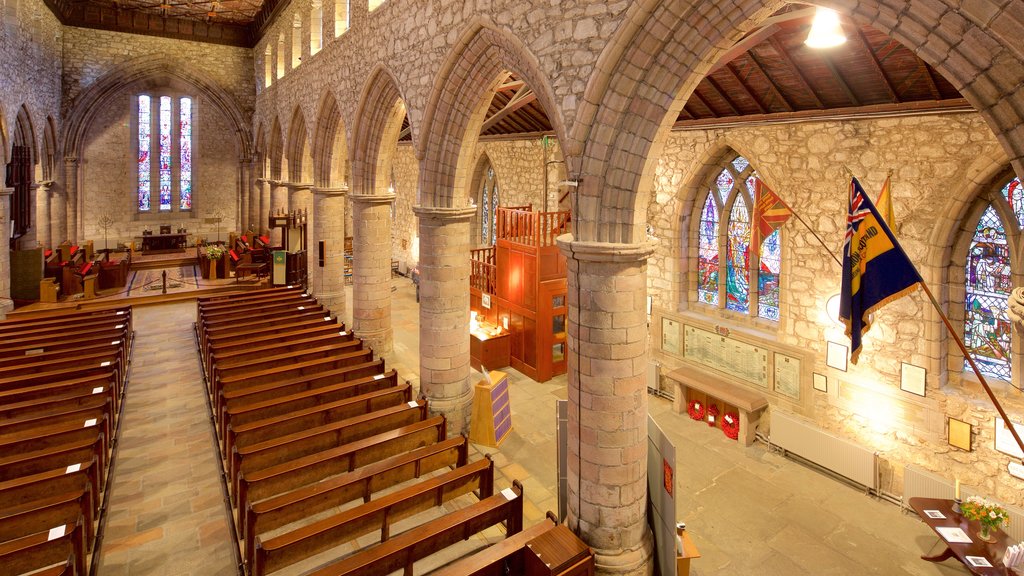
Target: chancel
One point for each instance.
(511, 287)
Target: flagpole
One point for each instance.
(818, 238)
(970, 360)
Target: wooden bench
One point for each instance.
(253, 301)
(246, 365)
(48, 349)
(104, 383)
(28, 500)
(380, 514)
(53, 510)
(13, 466)
(251, 295)
(263, 309)
(274, 325)
(48, 437)
(282, 509)
(214, 329)
(296, 473)
(78, 330)
(44, 548)
(363, 376)
(239, 354)
(44, 345)
(749, 404)
(230, 346)
(272, 452)
(109, 359)
(63, 317)
(260, 269)
(402, 551)
(56, 402)
(98, 409)
(317, 415)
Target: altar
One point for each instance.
(155, 242)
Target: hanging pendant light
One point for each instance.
(825, 30)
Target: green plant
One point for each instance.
(214, 251)
(987, 513)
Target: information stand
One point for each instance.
(492, 413)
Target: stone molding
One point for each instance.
(438, 213)
(293, 186)
(4, 191)
(371, 199)
(604, 251)
(330, 191)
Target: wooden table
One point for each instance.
(490, 352)
(154, 242)
(993, 552)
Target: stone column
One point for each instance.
(300, 199)
(244, 169)
(43, 235)
(71, 197)
(329, 228)
(278, 205)
(262, 205)
(6, 304)
(371, 270)
(608, 401)
(444, 312)
(58, 215)
(255, 187)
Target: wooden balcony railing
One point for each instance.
(537, 229)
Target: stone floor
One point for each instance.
(749, 510)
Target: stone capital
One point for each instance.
(275, 183)
(71, 161)
(604, 251)
(5, 191)
(372, 199)
(262, 180)
(293, 186)
(464, 213)
(330, 191)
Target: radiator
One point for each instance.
(846, 458)
(653, 376)
(918, 482)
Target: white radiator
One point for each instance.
(653, 376)
(846, 458)
(918, 482)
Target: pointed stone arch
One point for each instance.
(377, 126)
(482, 162)
(25, 135)
(260, 156)
(330, 154)
(458, 104)
(275, 152)
(300, 160)
(48, 162)
(141, 69)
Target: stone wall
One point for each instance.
(939, 164)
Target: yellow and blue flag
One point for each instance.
(876, 270)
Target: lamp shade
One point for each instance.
(826, 31)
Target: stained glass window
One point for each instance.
(768, 278)
(707, 259)
(185, 151)
(986, 324)
(485, 215)
(1013, 192)
(145, 128)
(726, 221)
(737, 288)
(165, 153)
(489, 208)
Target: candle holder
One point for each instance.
(956, 506)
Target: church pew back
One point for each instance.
(45, 345)
(47, 437)
(98, 410)
(404, 549)
(44, 548)
(291, 506)
(305, 319)
(263, 310)
(20, 323)
(500, 558)
(242, 354)
(45, 513)
(14, 466)
(379, 514)
(56, 403)
(296, 445)
(220, 299)
(299, 472)
(241, 410)
(225, 347)
(78, 330)
(100, 382)
(109, 359)
(283, 358)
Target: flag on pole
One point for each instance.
(884, 206)
(876, 270)
(770, 212)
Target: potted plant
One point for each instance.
(988, 514)
(215, 254)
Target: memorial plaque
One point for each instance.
(787, 376)
(727, 355)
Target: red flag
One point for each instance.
(770, 212)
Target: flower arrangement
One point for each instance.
(214, 251)
(989, 514)
(712, 415)
(696, 410)
(731, 425)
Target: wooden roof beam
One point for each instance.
(510, 86)
(771, 82)
(520, 99)
(704, 103)
(749, 92)
(784, 55)
(877, 66)
(840, 80)
(743, 46)
(721, 94)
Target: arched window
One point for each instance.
(268, 66)
(488, 207)
(725, 230)
(280, 55)
(340, 17)
(296, 41)
(987, 283)
(316, 27)
(172, 151)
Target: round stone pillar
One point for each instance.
(43, 235)
(371, 270)
(263, 206)
(6, 304)
(58, 215)
(71, 197)
(607, 285)
(278, 205)
(329, 228)
(444, 312)
(300, 199)
(255, 186)
(244, 169)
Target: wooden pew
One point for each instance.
(53, 509)
(401, 551)
(46, 347)
(274, 451)
(270, 400)
(301, 471)
(278, 373)
(49, 437)
(56, 402)
(44, 548)
(291, 506)
(109, 359)
(235, 307)
(17, 465)
(271, 325)
(85, 328)
(248, 365)
(211, 302)
(63, 317)
(264, 341)
(103, 383)
(500, 558)
(212, 330)
(262, 310)
(238, 354)
(292, 547)
(317, 414)
(99, 409)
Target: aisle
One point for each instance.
(166, 513)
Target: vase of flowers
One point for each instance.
(989, 516)
(214, 253)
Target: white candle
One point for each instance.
(957, 491)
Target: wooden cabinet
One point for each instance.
(491, 352)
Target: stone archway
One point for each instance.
(330, 158)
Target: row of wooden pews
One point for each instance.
(62, 380)
(322, 445)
